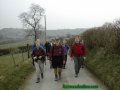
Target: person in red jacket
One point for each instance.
(78, 53)
(82, 63)
(57, 58)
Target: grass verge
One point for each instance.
(12, 77)
(105, 67)
(16, 77)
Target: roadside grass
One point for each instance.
(105, 67)
(12, 77)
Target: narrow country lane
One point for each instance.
(48, 83)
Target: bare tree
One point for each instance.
(31, 20)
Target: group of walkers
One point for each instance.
(56, 52)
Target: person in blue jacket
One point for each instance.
(34, 46)
(38, 56)
(66, 48)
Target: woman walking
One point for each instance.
(38, 56)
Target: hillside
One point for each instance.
(15, 34)
(11, 34)
(64, 32)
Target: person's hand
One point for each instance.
(84, 58)
(40, 57)
(71, 59)
(34, 57)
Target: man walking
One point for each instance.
(57, 58)
(78, 53)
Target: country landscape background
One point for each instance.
(97, 22)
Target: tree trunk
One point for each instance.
(28, 50)
(35, 35)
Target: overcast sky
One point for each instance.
(62, 13)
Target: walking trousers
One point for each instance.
(39, 66)
(77, 63)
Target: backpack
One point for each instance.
(53, 50)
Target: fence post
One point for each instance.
(22, 55)
(28, 50)
(13, 58)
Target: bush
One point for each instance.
(103, 45)
(103, 53)
(16, 77)
(14, 50)
(4, 51)
(105, 67)
(107, 38)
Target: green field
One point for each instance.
(17, 44)
(6, 61)
(12, 76)
(14, 71)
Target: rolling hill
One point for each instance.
(16, 34)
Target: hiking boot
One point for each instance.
(56, 77)
(76, 75)
(38, 80)
(42, 76)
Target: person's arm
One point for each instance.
(43, 56)
(51, 54)
(71, 51)
(49, 47)
(43, 51)
(63, 54)
(33, 55)
(68, 47)
(84, 51)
